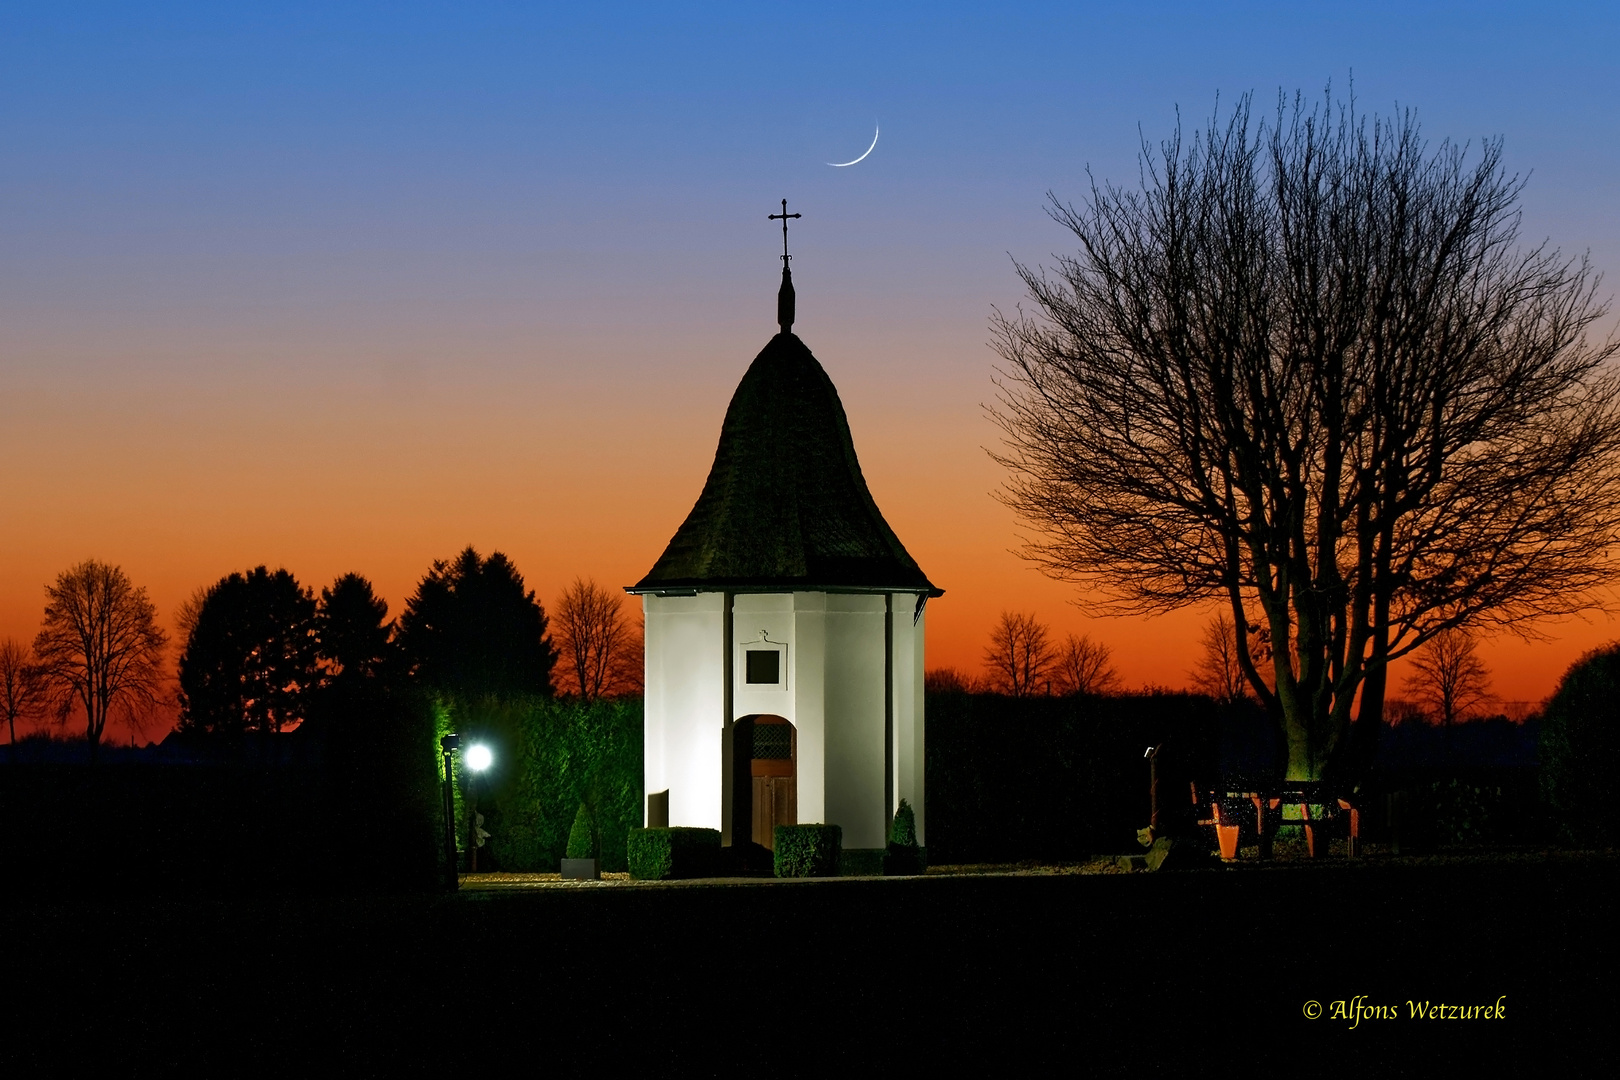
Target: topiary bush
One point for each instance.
(903, 855)
(807, 850)
(678, 852)
(582, 838)
(903, 830)
(1580, 749)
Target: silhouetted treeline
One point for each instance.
(351, 798)
(1066, 778)
(262, 654)
(306, 755)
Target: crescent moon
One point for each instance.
(846, 164)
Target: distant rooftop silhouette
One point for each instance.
(785, 506)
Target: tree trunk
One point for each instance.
(1303, 762)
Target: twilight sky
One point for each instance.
(349, 286)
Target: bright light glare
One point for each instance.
(478, 757)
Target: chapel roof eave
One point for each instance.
(785, 507)
(677, 588)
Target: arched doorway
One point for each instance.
(770, 746)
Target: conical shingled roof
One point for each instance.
(785, 506)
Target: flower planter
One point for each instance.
(903, 860)
(1226, 832)
(582, 869)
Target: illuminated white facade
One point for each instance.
(851, 670)
(784, 628)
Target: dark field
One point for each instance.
(1117, 973)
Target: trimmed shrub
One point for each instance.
(1580, 749)
(581, 838)
(808, 850)
(678, 852)
(903, 830)
(903, 855)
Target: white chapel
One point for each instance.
(784, 627)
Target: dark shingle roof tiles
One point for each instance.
(785, 506)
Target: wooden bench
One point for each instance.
(1228, 825)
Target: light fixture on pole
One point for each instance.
(447, 746)
(478, 758)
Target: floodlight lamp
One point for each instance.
(478, 757)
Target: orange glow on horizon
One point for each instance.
(567, 476)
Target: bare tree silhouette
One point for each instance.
(20, 686)
(1219, 673)
(949, 680)
(1399, 710)
(599, 647)
(1448, 677)
(1305, 370)
(1019, 656)
(187, 614)
(99, 647)
(1082, 666)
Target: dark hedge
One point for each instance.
(1062, 778)
(550, 756)
(678, 852)
(807, 850)
(1580, 750)
(350, 803)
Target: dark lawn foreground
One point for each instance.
(1138, 974)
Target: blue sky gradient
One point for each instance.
(320, 249)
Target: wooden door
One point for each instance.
(773, 767)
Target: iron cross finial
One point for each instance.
(784, 215)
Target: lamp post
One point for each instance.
(447, 746)
(477, 758)
(1152, 756)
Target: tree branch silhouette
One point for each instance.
(1305, 370)
(1019, 656)
(1449, 678)
(99, 646)
(21, 688)
(598, 645)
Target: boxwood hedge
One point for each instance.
(678, 852)
(807, 850)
